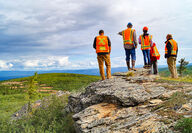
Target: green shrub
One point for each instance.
(10, 89)
(184, 125)
(51, 117)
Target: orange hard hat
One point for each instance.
(145, 28)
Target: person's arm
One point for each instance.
(120, 33)
(166, 47)
(135, 39)
(169, 46)
(109, 44)
(94, 43)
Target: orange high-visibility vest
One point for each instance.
(155, 52)
(128, 36)
(173, 48)
(145, 42)
(102, 44)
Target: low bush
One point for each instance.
(51, 117)
(184, 125)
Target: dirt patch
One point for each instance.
(49, 91)
(47, 88)
(43, 85)
(12, 83)
(104, 109)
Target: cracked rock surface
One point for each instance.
(123, 105)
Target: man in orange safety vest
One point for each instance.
(102, 44)
(130, 44)
(171, 50)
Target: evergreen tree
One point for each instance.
(182, 66)
(32, 91)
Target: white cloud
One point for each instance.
(31, 63)
(55, 31)
(50, 62)
(5, 65)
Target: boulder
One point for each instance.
(117, 91)
(105, 117)
(128, 103)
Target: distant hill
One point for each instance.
(6, 75)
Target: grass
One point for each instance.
(169, 107)
(13, 96)
(184, 125)
(186, 79)
(62, 81)
(50, 118)
(11, 103)
(164, 72)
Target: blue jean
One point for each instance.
(130, 52)
(146, 56)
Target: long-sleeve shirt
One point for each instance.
(169, 49)
(94, 45)
(127, 46)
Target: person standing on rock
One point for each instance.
(171, 50)
(130, 44)
(154, 55)
(102, 44)
(146, 42)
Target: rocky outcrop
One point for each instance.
(105, 117)
(117, 91)
(124, 103)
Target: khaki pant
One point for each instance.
(101, 59)
(171, 61)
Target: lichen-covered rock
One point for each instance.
(126, 105)
(109, 118)
(117, 91)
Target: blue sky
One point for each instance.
(58, 34)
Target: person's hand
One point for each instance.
(119, 33)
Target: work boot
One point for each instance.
(133, 65)
(128, 66)
(145, 66)
(148, 65)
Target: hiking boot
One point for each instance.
(133, 65)
(128, 66)
(145, 66)
(149, 66)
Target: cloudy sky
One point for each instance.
(58, 34)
